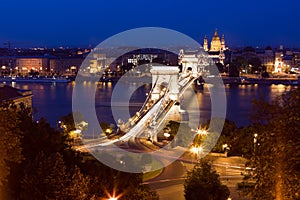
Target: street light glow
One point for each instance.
(197, 150)
(194, 150)
(200, 131)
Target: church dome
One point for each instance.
(216, 36)
(215, 44)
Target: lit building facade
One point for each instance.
(284, 62)
(216, 49)
(25, 65)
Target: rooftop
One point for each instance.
(10, 93)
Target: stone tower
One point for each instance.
(205, 44)
(223, 43)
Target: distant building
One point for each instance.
(265, 55)
(7, 65)
(216, 49)
(98, 62)
(42, 65)
(16, 96)
(267, 58)
(284, 61)
(296, 60)
(30, 64)
(65, 66)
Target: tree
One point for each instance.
(47, 177)
(41, 137)
(78, 185)
(38, 137)
(241, 142)
(215, 140)
(68, 121)
(277, 152)
(181, 132)
(10, 145)
(204, 182)
(256, 63)
(51, 169)
(234, 70)
(141, 193)
(105, 180)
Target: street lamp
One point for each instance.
(197, 151)
(200, 131)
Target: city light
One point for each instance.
(75, 133)
(113, 196)
(167, 135)
(108, 131)
(200, 131)
(197, 150)
(225, 147)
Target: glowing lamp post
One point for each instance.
(202, 132)
(197, 151)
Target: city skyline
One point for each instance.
(73, 24)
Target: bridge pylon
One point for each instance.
(164, 78)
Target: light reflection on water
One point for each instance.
(55, 100)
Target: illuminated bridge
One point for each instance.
(163, 101)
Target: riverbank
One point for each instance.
(264, 81)
(35, 79)
(242, 80)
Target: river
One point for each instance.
(53, 100)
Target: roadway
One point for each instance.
(169, 184)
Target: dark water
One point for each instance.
(53, 100)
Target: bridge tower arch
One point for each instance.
(164, 78)
(190, 63)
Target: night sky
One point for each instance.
(81, 23)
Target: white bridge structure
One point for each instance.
(163, 101)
